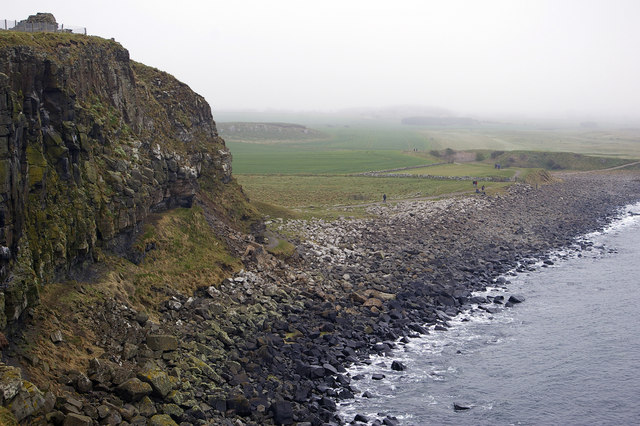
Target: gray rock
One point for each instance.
(10, 381)
(159, 381)
(77, 420)
(27, 402)
(398, 366)
(458, 406)
(83, 384)
(56, 337)
(282, 412)
(162, 342)
(162, 420)
(134, 390)
(516, 298)
(146, 407)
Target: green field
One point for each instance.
(314, 191)
(259, 159)
(303, 160)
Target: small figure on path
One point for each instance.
(483, 189)
(384, 198)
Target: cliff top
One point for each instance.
(50, 42)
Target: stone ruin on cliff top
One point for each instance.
(42, 22)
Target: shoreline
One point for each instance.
(533, 240)
(270, 344)
(372, 410)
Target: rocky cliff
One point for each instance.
(91, 143)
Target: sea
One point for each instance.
(568, 355)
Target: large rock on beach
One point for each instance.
(134, 390)
(162, 342)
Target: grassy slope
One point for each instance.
(187, 255)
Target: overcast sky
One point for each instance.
(556, 57)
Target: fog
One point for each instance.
(555, 58)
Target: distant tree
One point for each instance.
(480, 156)
(435, 153)
(496, 154)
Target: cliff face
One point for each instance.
(90, 143)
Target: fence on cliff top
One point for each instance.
(34, 27)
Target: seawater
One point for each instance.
(568, 355)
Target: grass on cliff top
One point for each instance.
(52, 42)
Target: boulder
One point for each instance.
(282, 412)
(27, 402)
(162, 342)
(240, 404)
(77, 420)
(161, 420)
(360, 418)
(100, 371)
(56, 336)
(173, 410)
(133, 390)
(146, 407)
(458, 406)
(398, 366)
(516, 298)
(391, 421)
(373, 302)
(159, 380)
(10, 382)
(379, 295)
(83, 384)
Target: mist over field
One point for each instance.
(568, 59)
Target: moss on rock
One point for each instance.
(94, 144)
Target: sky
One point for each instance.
(535, 58)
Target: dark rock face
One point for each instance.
(90, 144)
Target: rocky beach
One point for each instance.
(270, 345)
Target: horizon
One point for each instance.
(535, 60)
